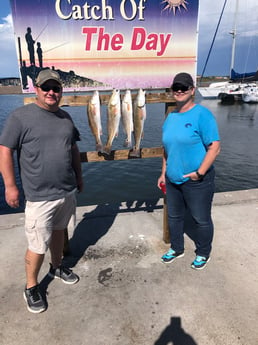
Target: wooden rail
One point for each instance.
(83, 100)
(93, 156)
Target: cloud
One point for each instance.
(6, 28)
(8, 62)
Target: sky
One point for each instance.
(246, 55)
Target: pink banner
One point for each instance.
(105, 44)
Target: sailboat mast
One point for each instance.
(233, 33)
(213, 40)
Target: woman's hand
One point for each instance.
(193, 176)
(161, 179)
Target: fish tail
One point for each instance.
(99, 147)
(107, 149)
(136, 152)
(127, 143)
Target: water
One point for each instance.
(135, 180)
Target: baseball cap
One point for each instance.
(46, 75)
(184, 79)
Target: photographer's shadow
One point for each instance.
(175, 334)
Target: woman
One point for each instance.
(191, 144)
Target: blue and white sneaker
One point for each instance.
(171, 255)
(199, 262)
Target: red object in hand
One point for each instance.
(163, 187)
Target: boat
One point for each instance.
(230, 90)
(239, 86)
(250, 93)
(221, 89)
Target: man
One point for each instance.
(30, 46)
(44, 137)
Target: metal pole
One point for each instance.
(20, 53)
(234, 33)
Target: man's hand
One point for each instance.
(12, 196)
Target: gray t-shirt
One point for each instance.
(43, 141)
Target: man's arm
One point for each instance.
(76, 164)
(8, 174)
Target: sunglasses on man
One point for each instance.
(47, 88)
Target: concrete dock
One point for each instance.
(125, 295)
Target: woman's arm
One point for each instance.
(212, 152)
(162, 177)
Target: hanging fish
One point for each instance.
(139, 116)
(113, 119)
(127, 117)
(94, 118)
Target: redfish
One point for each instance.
(113, 119)
(139, 116)
(94, 118)
(127, 117)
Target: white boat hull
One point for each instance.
(225, 90)
(250, 94)
(213, 90)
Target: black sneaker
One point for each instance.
(63, 273)
(34, 300)
(171, 255)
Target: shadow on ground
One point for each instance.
(96, 224)
(175, 334)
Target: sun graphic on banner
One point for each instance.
(174, 5)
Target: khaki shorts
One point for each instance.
(42, 217)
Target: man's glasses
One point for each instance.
(47, 88)
(179, 87)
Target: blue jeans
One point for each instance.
(196, 196)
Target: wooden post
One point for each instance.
(166, 236)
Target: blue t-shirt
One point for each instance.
(186, 137)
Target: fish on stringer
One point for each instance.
(113, 119)
(94, 119)
(139, 116)
(127, 117)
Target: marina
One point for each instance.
(125, 294)
(239, 86)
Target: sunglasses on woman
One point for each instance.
(182, 88)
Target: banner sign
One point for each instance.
(106, 44)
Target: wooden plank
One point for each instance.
(83, 100)
(94, 156)
(151, 152)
